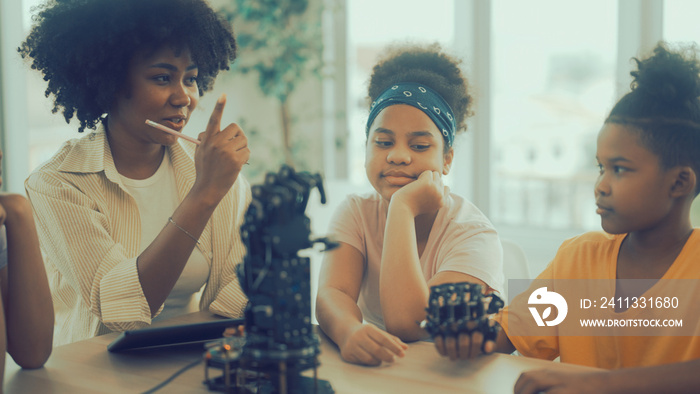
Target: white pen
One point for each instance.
(171, 131)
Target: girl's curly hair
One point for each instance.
(427, 65)
(664, 105)
(83, 47)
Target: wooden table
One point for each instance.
(87, 367)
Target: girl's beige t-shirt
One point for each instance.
(462, 240)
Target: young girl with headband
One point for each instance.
(411, 233)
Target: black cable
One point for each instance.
(171, 378)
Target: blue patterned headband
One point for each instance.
(421, 97)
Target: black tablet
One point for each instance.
(172, 335)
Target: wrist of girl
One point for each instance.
(402, 207)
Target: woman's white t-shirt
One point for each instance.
(156, 198)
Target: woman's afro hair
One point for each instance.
(83, 47)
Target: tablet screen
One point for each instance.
(172, 335)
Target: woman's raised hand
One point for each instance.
(220, 156)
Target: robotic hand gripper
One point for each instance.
(456, 308)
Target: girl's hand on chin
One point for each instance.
(424, 195)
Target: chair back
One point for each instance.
(515, 264)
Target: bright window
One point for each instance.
(553, 80)
(681, 21)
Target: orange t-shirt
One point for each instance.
(594, 256)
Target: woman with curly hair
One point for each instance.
(132, 221)
(411, 233)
